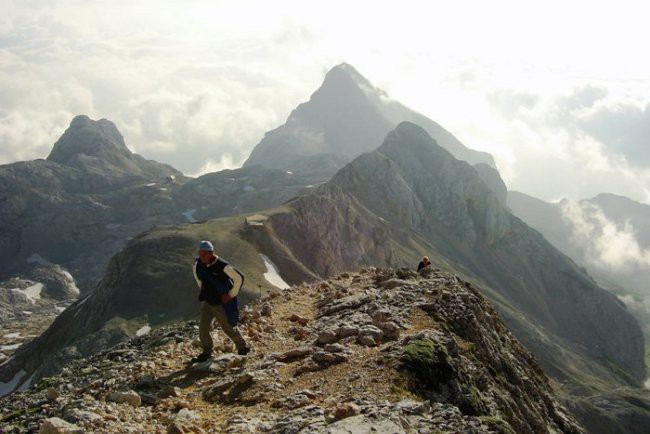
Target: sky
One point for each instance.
(558, 92)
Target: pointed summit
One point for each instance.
(344, 72)
(90, 138)
(347, 116)
(98, 147)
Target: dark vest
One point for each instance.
(214, 281)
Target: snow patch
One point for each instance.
(27, 312)
(151, 184)
(38, 259)
(163, 188)
(12, 335)
(7, 388)
(27, 384)
(189, 215)
(74, 288)
(289, 172)
(59, 308)
(647, 383)
(144, 330)
(272, 275)
(10, 347)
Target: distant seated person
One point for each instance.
(424, 263)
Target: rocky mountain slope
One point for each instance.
(92, 195)
(78, 207)
(375, 351)
(347, 116)
(386, 208)
(412, 191)
(29, 304)
(607, 234)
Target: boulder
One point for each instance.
(327, 337)
(54, 425)
(130, 397)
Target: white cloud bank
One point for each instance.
(561, 103)
(606, 244)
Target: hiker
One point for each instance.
(220, 283)
(424, 263)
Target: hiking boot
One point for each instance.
(243, 351)
(200, 358)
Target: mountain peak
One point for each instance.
(347, 116)
(345, 75)
(84, 136)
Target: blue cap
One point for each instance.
(206, 245)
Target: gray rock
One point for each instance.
(392, 283)
(327, 337)
(325, 357)
(334, 348)
(294, 354)
(185, 414)
(367, 340)
(55, 425)
(347, 330)
(78, 415)
(130, 397)
(184, 427)
(390, 330)
(360, 423)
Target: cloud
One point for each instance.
(192, 83)
(624, 127)
(187, 98)
(605, 243)
(214, 166)
(562, 142)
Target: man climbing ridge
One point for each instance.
(425, 262)
(220, 283)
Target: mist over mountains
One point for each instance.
(351, 180)
(609, 235)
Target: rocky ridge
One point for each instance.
(379, 350)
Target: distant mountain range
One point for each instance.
(317, 197)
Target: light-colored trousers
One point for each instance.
(211, 312)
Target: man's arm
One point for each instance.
(196, 277)
(237, 280)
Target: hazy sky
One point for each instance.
(559, 92)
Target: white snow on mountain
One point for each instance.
(272, 274)
(189, 215)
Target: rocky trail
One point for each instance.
(376, 351)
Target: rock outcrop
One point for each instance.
(404, 354)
